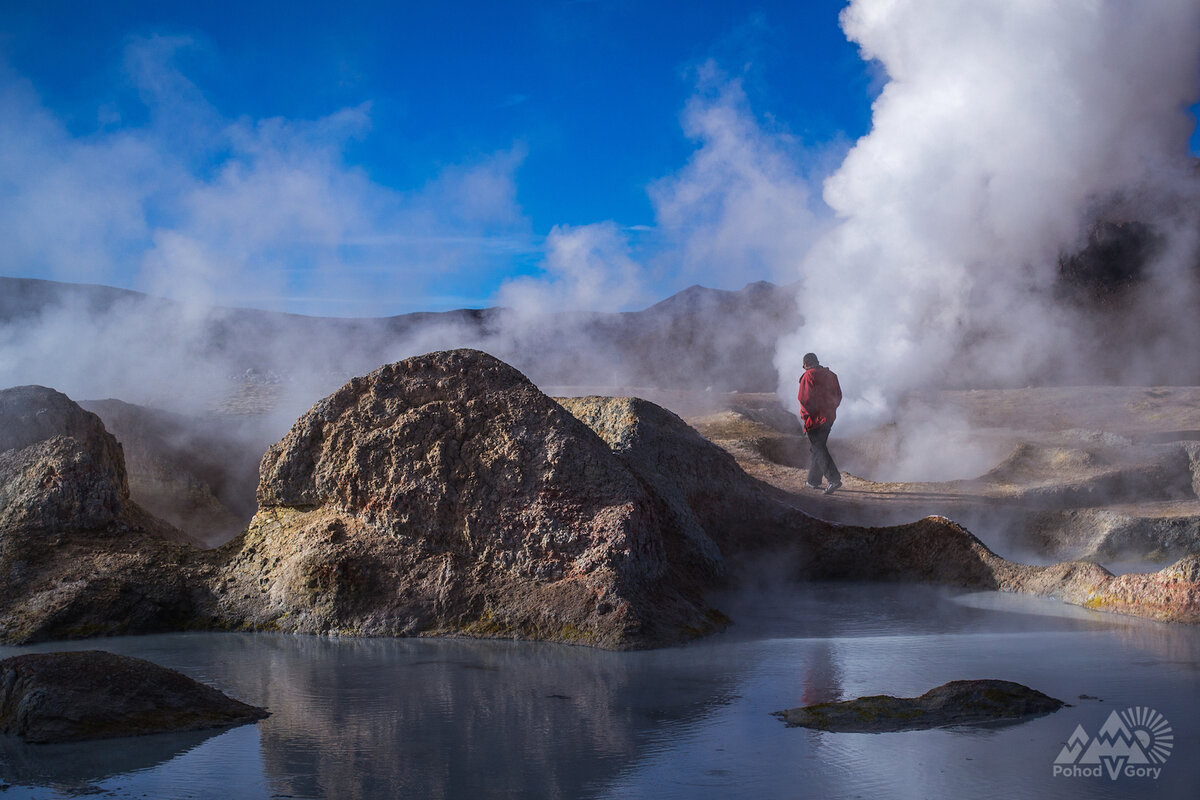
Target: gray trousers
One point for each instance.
(820, 463)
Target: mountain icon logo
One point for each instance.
(1074, 747)
(1130, 742)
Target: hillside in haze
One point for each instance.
(97, 341)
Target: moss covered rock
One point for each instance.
(954, 703)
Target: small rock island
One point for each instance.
(92, 694)
(955, 703)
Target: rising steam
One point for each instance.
(1004, 131)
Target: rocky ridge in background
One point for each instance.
(697, 339)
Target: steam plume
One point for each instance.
(1003, 131)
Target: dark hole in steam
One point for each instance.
(1112, 262)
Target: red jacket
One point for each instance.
(820, 395)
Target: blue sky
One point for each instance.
(391, 157)
(570, 111)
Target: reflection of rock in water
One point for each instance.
(822, 678)
(75, 768)
(428, 719)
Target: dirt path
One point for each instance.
(1107, 473)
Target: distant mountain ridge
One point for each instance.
(697, 338)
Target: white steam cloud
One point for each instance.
(741, 209)
(208, 209)
(1005, 128)
(587, 268)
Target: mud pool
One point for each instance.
(355, 718)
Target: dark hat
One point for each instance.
(810, 360)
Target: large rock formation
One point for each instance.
(712, 496)
(91, 694)
(77, 556)
(724, 510)
(445, 494)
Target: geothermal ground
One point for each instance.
(1039, 474)
(446, 495)
(1109, 474)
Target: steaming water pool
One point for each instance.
(464, 719)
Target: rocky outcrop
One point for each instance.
(77, 556)
(91, 694)
(710, 492)
(59, 468)
(1170, 595)
(724, 510)
(1152, 531)
(955, 703)
(445, 494)
(1068, 493)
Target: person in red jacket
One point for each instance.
(820, 395)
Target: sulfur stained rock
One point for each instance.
(446, 494)
(1170, 595)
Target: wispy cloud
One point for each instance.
(741, 209)
(196, 205)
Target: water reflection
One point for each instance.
(77, 767)
(426, 718)
(355, 718)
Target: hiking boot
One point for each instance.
(812, 485)
(833, 487)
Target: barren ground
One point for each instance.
(1040, 474)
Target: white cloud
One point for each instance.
(586, 268)
(741, 208)
(210, 209)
